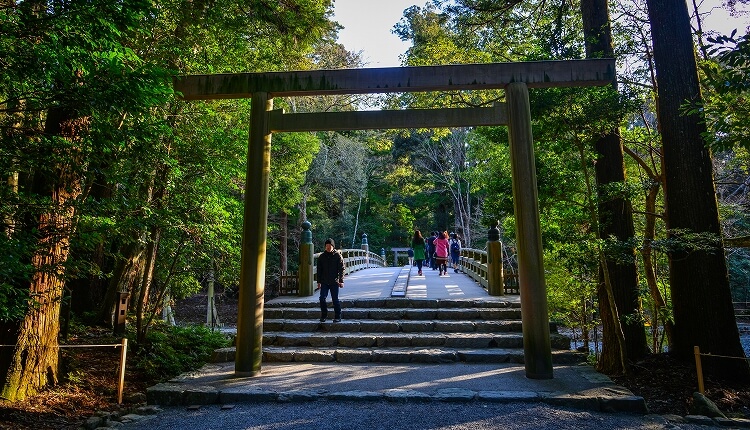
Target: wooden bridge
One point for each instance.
(473, 276)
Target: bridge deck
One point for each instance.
(377, 284)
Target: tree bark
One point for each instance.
(152, 250)
(34, 363)
(701, 298)
(648, 267)
(615, 215)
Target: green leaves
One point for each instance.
(727, 79)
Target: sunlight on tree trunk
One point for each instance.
(34, 363)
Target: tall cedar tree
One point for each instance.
(72, 69)
(615, 215)
(701, 298)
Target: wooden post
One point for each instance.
(699, 368)
(494, 262)
(534, 315)
(212, 316)
(366, 248)
(121, 383)
(306, 280)
(255, 225)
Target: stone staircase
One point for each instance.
(400, 330)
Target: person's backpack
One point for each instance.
(455, 247)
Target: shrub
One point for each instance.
(171, 350)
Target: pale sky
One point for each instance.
(368, 26)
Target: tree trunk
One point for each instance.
(128, 272)
(152, 249)
(649, 233)
(615, 211)
(34, 363)
(701, 298)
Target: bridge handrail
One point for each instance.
(354, 260)
(473, 262)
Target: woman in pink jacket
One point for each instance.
(442, 250)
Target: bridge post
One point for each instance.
(366, 248)
(382, 255)
(305, 275)
(495, 285)
(247, 361)
(532, 286)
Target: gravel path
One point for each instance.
(331, 415)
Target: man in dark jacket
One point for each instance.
(330, 274)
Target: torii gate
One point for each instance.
(515, 78)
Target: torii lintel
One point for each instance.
(535, 74)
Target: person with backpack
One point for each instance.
(431, 250)
(455, 247)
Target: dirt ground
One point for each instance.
(666, 384)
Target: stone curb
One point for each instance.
(398, 303)
(176, 394)
(402, 282)
(277, 354)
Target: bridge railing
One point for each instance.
(293, 283)
(474, 262)
(354, 260)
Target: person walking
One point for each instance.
(330, 272)
(441, 253)
(410, 254)
(431, 249)
(417, 244)
(455, 247)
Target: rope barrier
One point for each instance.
(699, 367)
(123, 355)
(115, 345)
(723, 356)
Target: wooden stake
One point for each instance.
(123, 355)
(699, 368)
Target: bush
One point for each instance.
(171, 350)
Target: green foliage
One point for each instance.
(171, 350)
(726, 76)
(291, 156)
(14, 271)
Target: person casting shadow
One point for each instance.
(417, 244)
(330, 272)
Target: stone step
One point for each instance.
(399, 340)
(397, 326)
(454, 314)
(398, 355)
(397, 303)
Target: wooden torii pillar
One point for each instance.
(515, 78)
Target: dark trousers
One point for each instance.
(419, 264)
(334, 289)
